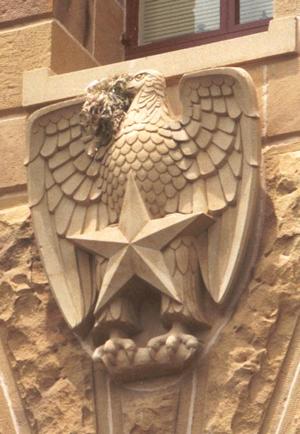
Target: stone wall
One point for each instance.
(54, 375)
(251, 366)
(52, 372)
(255, 348)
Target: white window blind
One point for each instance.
(161, 19)
(253, 10)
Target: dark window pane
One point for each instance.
(160, 19)
(253, 10)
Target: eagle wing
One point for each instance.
(64, 200)
(218, 147)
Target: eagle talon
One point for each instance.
(109, 354)
(178, 344)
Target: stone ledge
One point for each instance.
(281, 38)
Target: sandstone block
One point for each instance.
(77, 17)
(52, 371)
(20, 9)
(26, 47)
(108, 30)
(257, 75)
(284, 96)
(286, 7)
(12, 142)
(67, 54)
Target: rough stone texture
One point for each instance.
(244, 364)
(19, 9)
(284, 85)
(54, 374)
(108, 47)
(148, 415)
(34, 46)
(12, 139)
(286, 7)
(22, 49)
(52, 371)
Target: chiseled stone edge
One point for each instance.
(281, 38)
(284, 403)
(10, 403)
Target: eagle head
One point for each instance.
(149, 79)
(108, 100)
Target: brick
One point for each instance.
(284, 96)
(108, 30)
(12, 143)
(27, 47)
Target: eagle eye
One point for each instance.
(140, 76)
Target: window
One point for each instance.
(155, 26)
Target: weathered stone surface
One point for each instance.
(286, 7)
(28, 47)
(244, 364)
(150, 414)
(107, 45)
(12, 139)
(22, 9)
(283, 96)
(53, 373)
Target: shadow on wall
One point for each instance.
(96, 24)
(76, 16)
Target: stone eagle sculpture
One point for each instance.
(179, 193)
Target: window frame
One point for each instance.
(229, 28)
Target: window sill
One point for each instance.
(281, 38)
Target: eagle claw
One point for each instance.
(179, 345)
(114, 350)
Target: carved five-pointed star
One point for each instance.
(134, 246)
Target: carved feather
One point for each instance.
(207, 162)
(228, 141)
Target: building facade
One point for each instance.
(50, 51)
